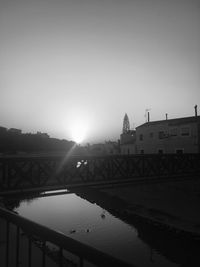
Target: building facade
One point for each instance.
(107, 148)
(128, 142)
(127, 138)
(181, 135)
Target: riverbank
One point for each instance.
(171, 204)
(176, 204)
(165, 215)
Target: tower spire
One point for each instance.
(126, 124)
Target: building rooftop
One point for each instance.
(177, 121)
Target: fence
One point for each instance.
(62, 250)
(30, 172)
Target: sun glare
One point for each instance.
(79, 131)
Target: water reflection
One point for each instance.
(176, 247)
(94, 225)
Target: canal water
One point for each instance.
(90, 224)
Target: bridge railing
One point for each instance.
(29, 172)
(58, 249)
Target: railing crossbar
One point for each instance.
(46, 234)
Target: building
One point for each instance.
(181, 135)
(127, 138)
(111, 147)
(107, 148)
(128, 143)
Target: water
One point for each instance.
(89, 223)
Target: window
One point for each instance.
(151, 135)
(185, 131)
(142, 151)
(160, 151)
(161, 135)
(174, 132)
(141, 137)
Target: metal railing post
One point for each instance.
(17, 246)
(29, 251)
(43, 254)
(81, 262)
(7, 242)
(60, 257)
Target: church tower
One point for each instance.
(127, 138)
(126, 125)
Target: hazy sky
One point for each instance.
(66, 64)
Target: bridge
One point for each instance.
(17, 173)
(38, 173)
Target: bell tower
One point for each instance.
(126, 124)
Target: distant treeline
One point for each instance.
(13, 143)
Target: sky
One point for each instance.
(73, 68)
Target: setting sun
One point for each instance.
(79, 130)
